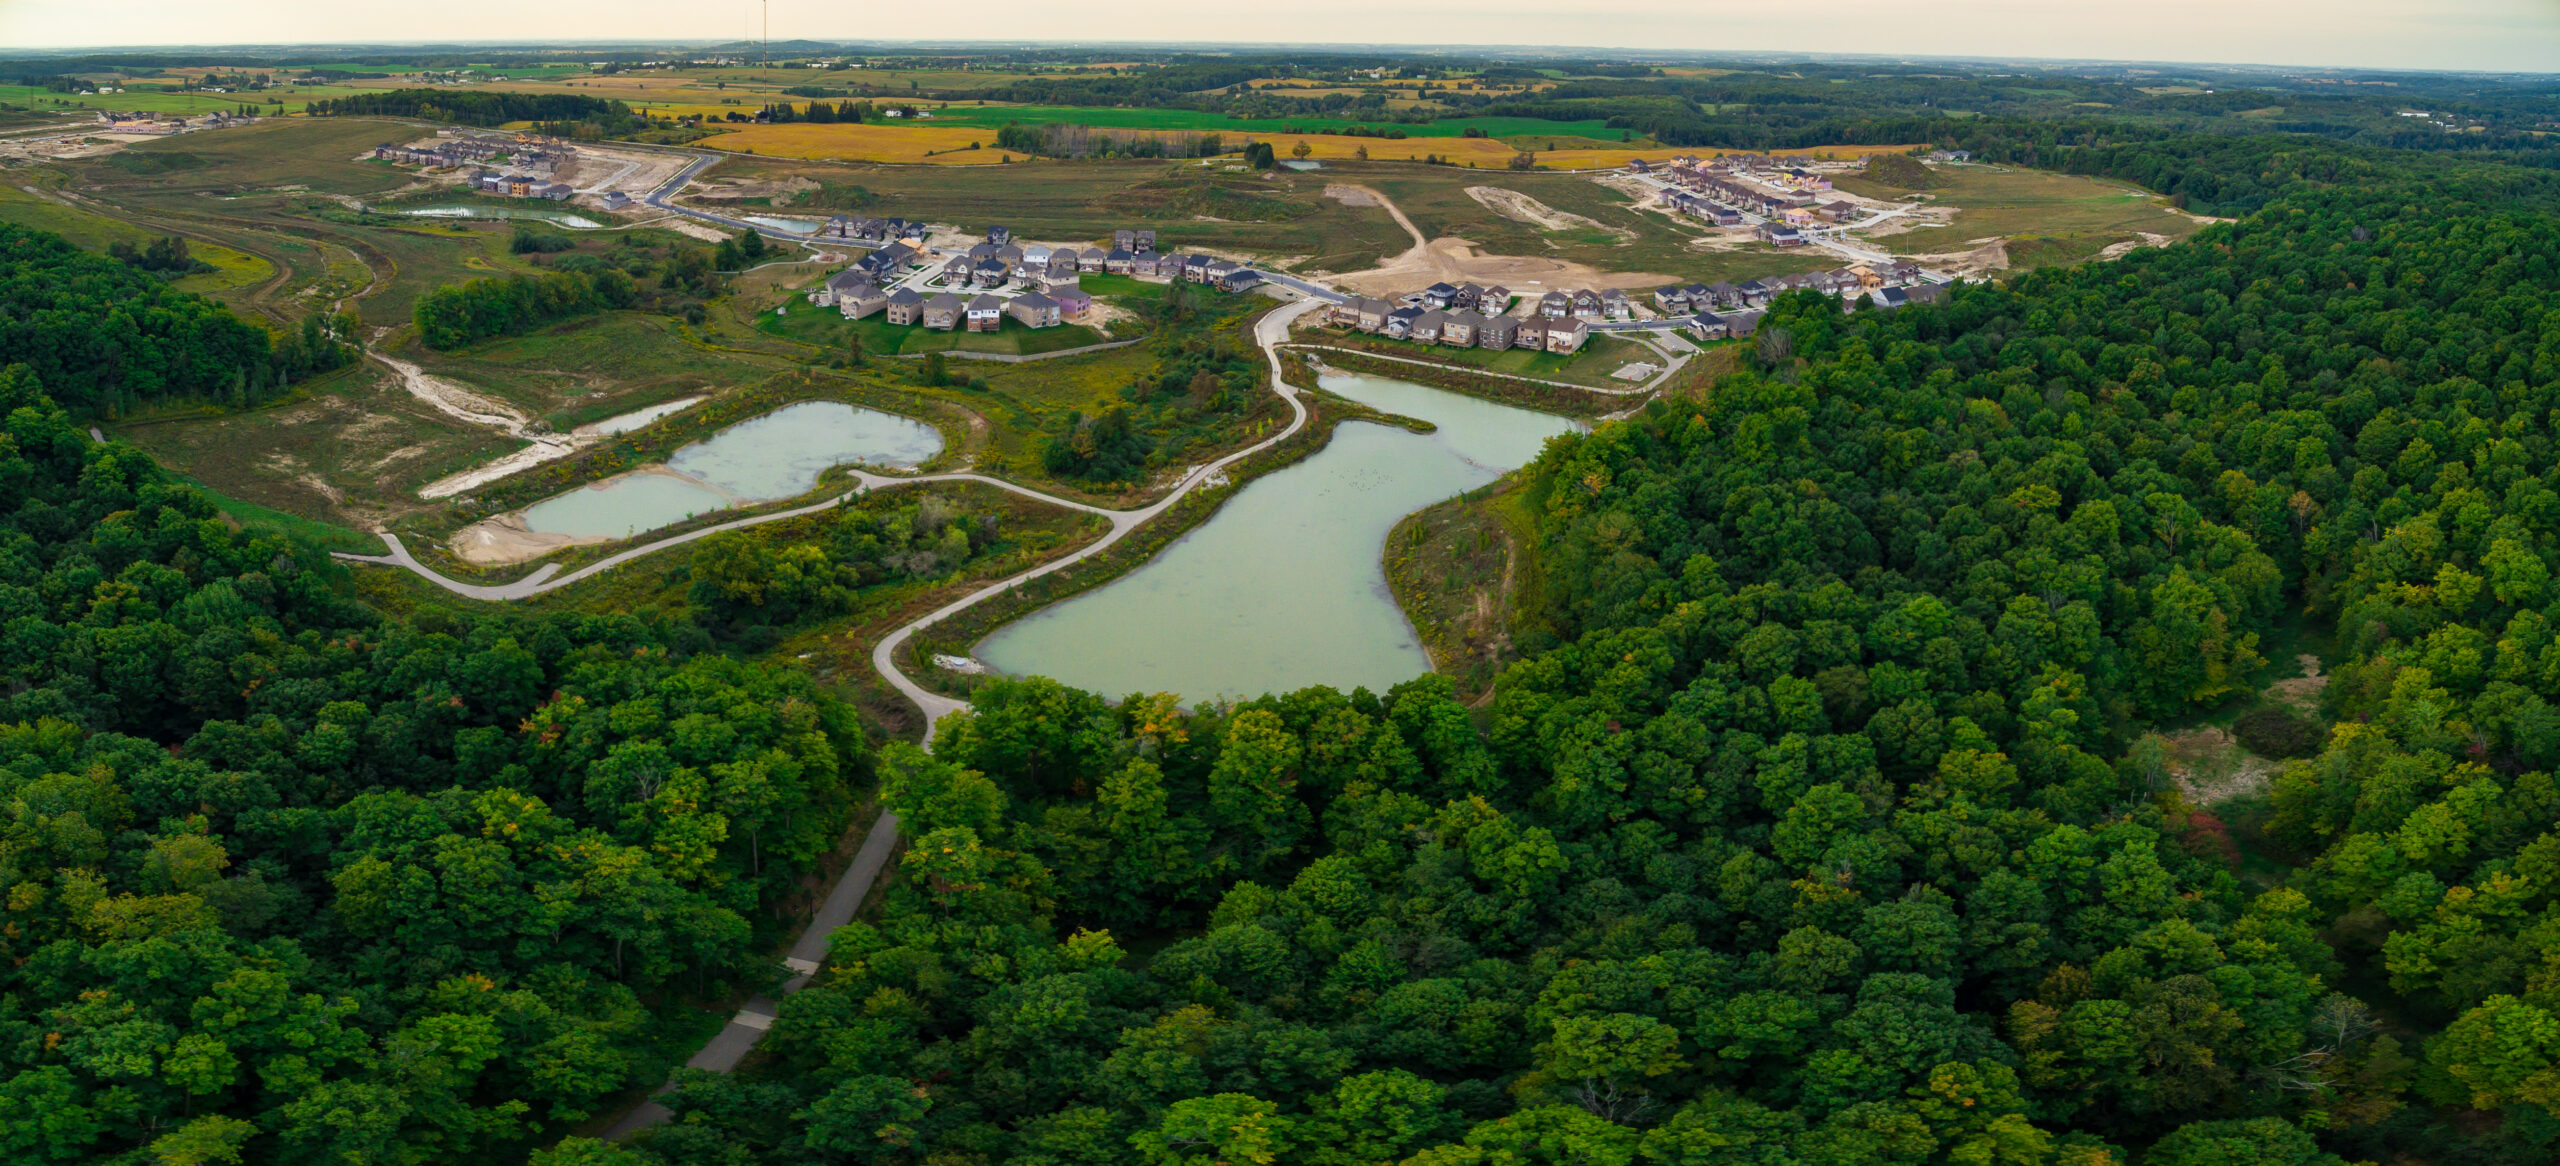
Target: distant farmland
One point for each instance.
(992, 116)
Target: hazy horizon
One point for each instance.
(2450, 35)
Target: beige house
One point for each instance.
(942, 312)
(1034, 310)
(1567, 335)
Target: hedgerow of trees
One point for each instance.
(107, 337)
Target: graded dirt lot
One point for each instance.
(1512, 204)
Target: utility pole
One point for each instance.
(768, 34)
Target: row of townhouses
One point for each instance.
(521, 186)
(1462, 328)
(1678, 299)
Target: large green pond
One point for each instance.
(1285, 587)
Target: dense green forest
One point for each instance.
(292, 882)
(479, 107)
(1829, 824)
(105, 336)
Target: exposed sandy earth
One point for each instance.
(1986, 256)
(2210, 766)
(1512, 204)
(1454, 260)
(2113, 250)
(2302, 692)
(500, 541)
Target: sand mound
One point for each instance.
(1512, 204)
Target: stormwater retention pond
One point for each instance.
(773, 456)
(1285, 586)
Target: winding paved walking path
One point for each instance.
(747, 1027)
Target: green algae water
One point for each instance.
(1284, 587)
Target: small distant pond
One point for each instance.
(774, 456)
(795, 226)
(562, 218)
(637, 418)
(1284, 587)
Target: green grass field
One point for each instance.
(234, 269)
(2070, 218)
(591, 369)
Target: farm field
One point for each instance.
(2045, 217)
(947, 144)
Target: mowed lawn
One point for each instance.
(2062, 217)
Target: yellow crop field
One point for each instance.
(865, 142)
(875, 142)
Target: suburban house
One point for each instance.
(1063, 265)
(999, 236)
(615, 200)
(1073, 302)
(1372, 314)
(1494, 301)
(556, 191)
(860, 300)
(1532, 333)
(942, 312)
(1399, 323)
(1709, 325)
(1928, 293)
(1124, 240)
(1555, 305)
(1779, 235)
(1145, 241)
(1497, 332)
(1036, 255)
(1838, 212)
(1346, 314)
(1741, 325)
(1117, 261)
(1426, 328)
(1239, 279)
(906, 306)
(1640, 166)
(1032, 308)
(1095, 260)
(1439, 295)
(1586, 303)
(1672, 300)
(1195, 268)
(1152, 265)
(1460, 328)
(1218, 270)
(1567, 335)
(989, 273)
(825, 294)
(1885, 298)
(986, 313)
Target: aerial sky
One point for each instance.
(2417, 34)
